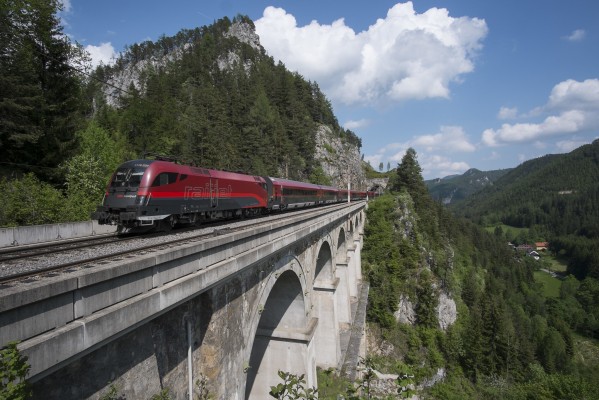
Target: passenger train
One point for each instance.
(146, 194)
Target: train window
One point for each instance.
(165, 178)
(183, 177)
(127, 177)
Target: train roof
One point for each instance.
(294, 184)
(192, 170)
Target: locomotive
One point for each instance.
(147, 194)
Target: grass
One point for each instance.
(551, 285)
(511, 231)
(555, 264)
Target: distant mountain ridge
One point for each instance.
(538, 180)
(453, 188)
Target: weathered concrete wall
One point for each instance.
(34, 234)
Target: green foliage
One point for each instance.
(551, 285)
(88, 172)
(165, 394)
(253, 115)
(405, 382)
(29, 201)
(330, 384)
(41, 106)
(13, 371)
(371, 173)
(292, 388)
(329, 148)
(557, 196)
(111, 394)
(201, 390)
(505, 320)
(318, 177)
(381, 259)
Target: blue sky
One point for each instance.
(466, 83)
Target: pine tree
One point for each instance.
(41, 89)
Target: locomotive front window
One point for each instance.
(127, 177)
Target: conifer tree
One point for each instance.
(41, 89)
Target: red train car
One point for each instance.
(145, 194)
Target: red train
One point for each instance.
(160, 194)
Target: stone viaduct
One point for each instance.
(218, 316)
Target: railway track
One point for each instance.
(38, 250)
(30, 264)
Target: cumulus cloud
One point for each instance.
(507, 113)
(573, 108)
(403, 56)
(437, 165)
(566, 146)
(432, 151)
(572, 94)
(353, 125)
(576, 36)
(450, 138)
(102, 54)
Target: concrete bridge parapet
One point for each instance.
(231, 310)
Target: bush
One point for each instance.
(13, 370)
(28, 201)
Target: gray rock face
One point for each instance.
(245, 33)
(133, 73)
(405, 313)
(339, 160)
(446, 311)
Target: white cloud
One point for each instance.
(507, 113)
(104, 53)
(403, 56)
(566, 146)
(374, 160)
(574, 107)
(576, 36)
(353, 125)
(436, 165)
(572, 94)
(450, 138)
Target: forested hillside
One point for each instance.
(454, 188)
(557, 196)
(213, 97)
(506, 341)
(208, 96)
